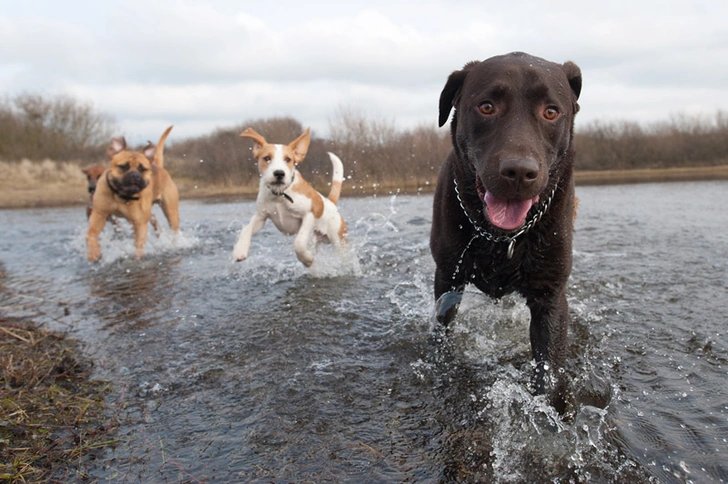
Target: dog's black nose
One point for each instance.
(519, 171)
(279, 174)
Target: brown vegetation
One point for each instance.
(679, 142)
(61, 128)
(378, 156)
(51, 412)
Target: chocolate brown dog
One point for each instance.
(132, 182)
(504, 203)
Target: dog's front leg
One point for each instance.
(242, 246)
(140, 237)
(449, 287)
(96, 224)
(549, 336)
(155, 225)
(300, 244)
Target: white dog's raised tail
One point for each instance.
(337, 178)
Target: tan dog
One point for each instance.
(93, 173)
(132, 182)
(293, 205)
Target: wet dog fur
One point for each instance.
(511, 168)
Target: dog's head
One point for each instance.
(277, 162)
(93, 173)
(512, 129)
(129, 172)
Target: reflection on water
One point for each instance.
(133, 294)
(267, 371)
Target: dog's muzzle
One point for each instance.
(129, 187)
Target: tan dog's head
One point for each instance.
(129, 172)
(277, 162)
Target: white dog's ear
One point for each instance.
(117, 144)
(259, 140)
(300, 145)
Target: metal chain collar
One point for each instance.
(511, 239)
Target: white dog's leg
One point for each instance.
(242, 246)
(300, 244)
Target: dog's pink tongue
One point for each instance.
(507, 214)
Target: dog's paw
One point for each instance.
(306, 258)
(240, 251)
(239, 256)
(93, 255)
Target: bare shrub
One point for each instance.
(60, 128)
(682, 141)
(378, 153)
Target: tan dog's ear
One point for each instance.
(149, 150)
(259, 140)
(300, 145)
(117, 144)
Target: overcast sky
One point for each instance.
(205, 64)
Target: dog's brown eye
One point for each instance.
(551, 113)
(487, 108)
(124, 167)
(142, 168)
(288, 159)
(266, 159)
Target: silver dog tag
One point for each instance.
(511, 246)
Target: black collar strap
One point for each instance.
(284, 194)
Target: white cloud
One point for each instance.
(206, 64)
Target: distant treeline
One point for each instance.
(682, 141)
(60, 128)
(375, 152)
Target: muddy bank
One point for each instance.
(53, 419)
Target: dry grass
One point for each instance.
(48, 183)
(613, 177)
(51, 412)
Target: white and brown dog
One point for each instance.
(293, 205)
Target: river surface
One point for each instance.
(265, 371)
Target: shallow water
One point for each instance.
(267, 371)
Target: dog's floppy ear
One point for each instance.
(259, 140)
(149, 150)
(117, 144)
(450, 94)
(573, 74)
(300, 145)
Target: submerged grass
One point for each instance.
(52, 416)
